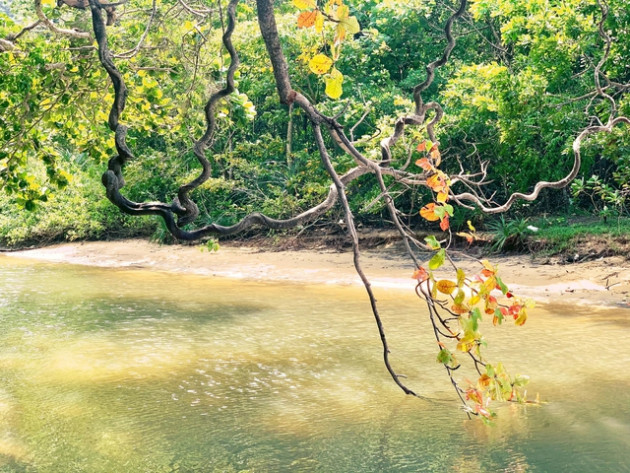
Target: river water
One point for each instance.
(105, 370)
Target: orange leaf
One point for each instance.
(444, 223)
(475, 395)
(425, 164)
(436, 182)
(445, 286)
(307, 19)
(428, 212)
(484, 380)
(435, 155)
(469, 237)
(420, 274)
(422, 146)
(460, 309)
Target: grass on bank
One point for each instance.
(564, 235)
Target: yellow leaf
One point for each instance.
(428, 212)
(48, 3)
(307, 18)
(445, 286)
(189, 25)
(437, 182)
(351, 25)
(304, 4)
(340, 33)
(333, 84)
(442, 196)
(461, 277)
(320, 64)
(342, 12)
(470, 226)
(319, 22)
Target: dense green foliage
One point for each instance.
(516, 91)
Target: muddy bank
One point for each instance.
(600, 282)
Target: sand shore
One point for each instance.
(604, 282)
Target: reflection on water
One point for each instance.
(130, 371)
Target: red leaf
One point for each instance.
(444, 223)
(420, 274)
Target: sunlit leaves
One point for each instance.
(333, 84)
(307, 19)
(319, 22)
(428, 212)
(304, 4)
(320, 64)
(445, 286)
(432, 242)
(425, 164)
(437, 259)
(345, 24)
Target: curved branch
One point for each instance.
(132, 52)
(577, 144)
(191, 211)
(418, 89)
(51, 26)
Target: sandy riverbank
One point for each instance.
(601, 282)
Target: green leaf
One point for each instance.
(475, 317)
(504, 288)
(437, 260)
(499, 315)
(521, 380)
(440, 211)
(432, 242)
(444, 356)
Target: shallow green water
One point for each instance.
(107, 370)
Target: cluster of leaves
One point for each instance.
(337, 13)
(606, 200)
(458, 305)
